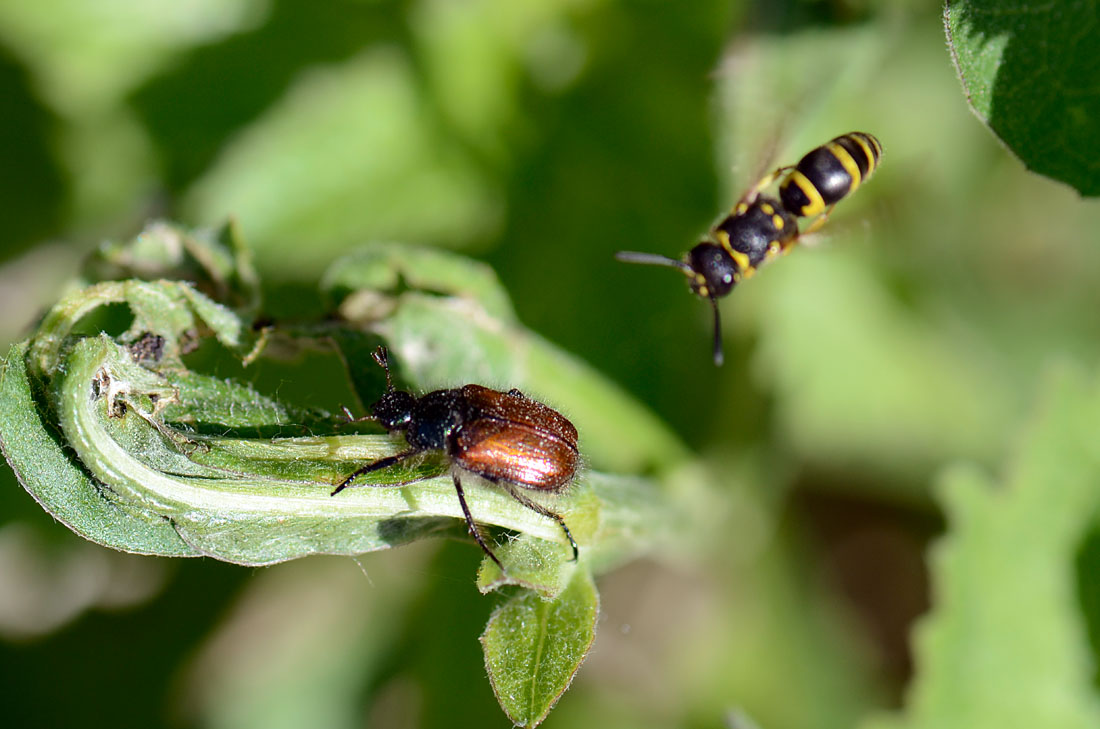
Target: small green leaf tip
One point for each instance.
(534, 647)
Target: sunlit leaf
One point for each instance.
(534, 647)
(1030, 73)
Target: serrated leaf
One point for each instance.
(1030, 72)
(534, 647)
(1005, 646)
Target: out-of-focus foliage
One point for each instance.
(1021, 660)
(543, 137)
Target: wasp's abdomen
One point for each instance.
(829, 173)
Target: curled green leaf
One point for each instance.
(172, 311)
(160, 458)
(58, 481)
(253, 501)
(218, 263)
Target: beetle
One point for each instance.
(505, 438)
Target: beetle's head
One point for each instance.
(393, 411)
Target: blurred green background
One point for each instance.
(917, 332)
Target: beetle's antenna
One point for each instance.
(718, 357)
(382, 357)
(652, 259)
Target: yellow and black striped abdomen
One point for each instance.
(830, 172)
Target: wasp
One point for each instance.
(761, 227)
(505, 438)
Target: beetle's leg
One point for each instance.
(470, 523)
(377, 466)
(540, 509)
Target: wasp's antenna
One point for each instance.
(652, 259)
(718, 356)
(382, 357)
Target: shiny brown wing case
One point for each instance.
(520, 409)
(503, 450)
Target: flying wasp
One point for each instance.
(761, 227)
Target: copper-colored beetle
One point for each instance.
(505, 438)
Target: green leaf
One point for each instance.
(1030, 73)
(534, 564)
(213, 404)
(363, 280)
(1005, 644)
(252, 501)
(534, 647)
(171, 310)
(547, 567)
